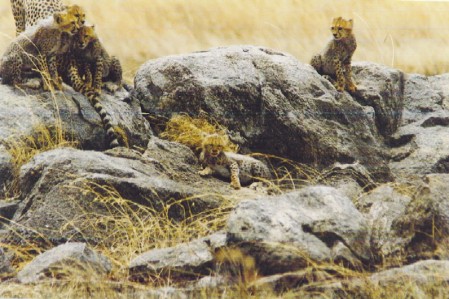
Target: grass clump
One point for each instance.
(23, 149)
(191, 132)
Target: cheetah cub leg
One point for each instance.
(235, 180)
(53, 70)
(115, 74)
(340, 74)
(350, 86)
(205, 172)
(75, 78)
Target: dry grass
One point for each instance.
(23, 148)
(391, 32)
(192, 131)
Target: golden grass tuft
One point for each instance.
(192, 131)
(23, 149)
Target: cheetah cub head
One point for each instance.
(66, 22)
(341, 28)
(78, 12)
(86, 35)
(214, 144)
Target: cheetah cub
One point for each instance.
(93, 63)
(239, 168)
(37, 50)
(335, 60)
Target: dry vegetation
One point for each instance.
(391, 32)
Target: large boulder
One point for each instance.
(425, 223)
(64, 260)
(382, 88)
(24, 113)
(65, 190)
(285, 232)
(269, 101)
(186, 260)
(382, 207)
(422, 142)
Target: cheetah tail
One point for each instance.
(105, 119)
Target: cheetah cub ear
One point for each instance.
(57, 16)
(349, 24)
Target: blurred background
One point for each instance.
(410, 35)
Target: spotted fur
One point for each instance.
(94, 64)
(36, 50)
(76, 71)
(239, 168)
(28, 13)
(111, 134)
(335, 60)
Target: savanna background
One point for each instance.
(410, 35)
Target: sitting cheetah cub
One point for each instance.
(239, 168)
(37, 50)
(335, 60)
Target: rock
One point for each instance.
(284, 232)
(422, 96)
(6, 171)
(187, 260)
(421, 144)
(5, 265)
(426, 148)
(281, 283)
(425, 223)
(382, 88)
(350, 179)
(382, 207)
(423, 279)
(23, 114)
(7, 210)
(70, 258)
(64, 190)
(288, 109)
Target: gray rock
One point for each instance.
(22, 113)
(382, 207)
(382, 88)
(187, 260)
(421, 144)
(421, 97)
(5, 265)
(425, 223)
(285, 232)
(73, 258)
(426, 147)
(288, 109)
(350, 179)
(7, 210)
(423, 279)
(60, 186)
(6, 171)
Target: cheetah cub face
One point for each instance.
(341, 28)
(86, 35)
(213, 145)
(66, 22)
(78, 12)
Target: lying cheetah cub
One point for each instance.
(335, 60)
(240, 168)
